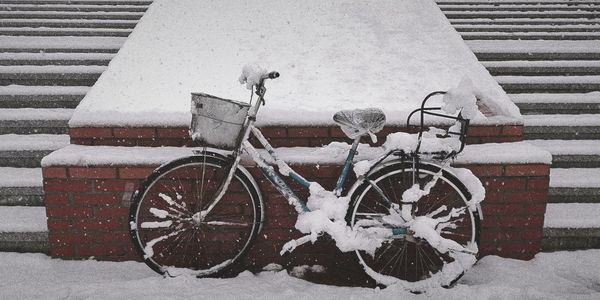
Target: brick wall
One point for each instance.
(87, 209)
(277, 136)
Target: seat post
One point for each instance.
(346, 169)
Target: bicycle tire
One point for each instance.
(166, 236)
(413, 262)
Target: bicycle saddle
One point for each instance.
(359, 122)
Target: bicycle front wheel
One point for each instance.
(405, 258)
(171, 234)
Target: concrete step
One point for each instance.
(68, 23)
(543, 103)
(545, 56)
(571, 226)
(487, 50)
(79, 2)
(21, 187)
(12, 31)
(503, 2)
(34, 120)
(50, 75)
(15, 96)
(572, 153)
(574, 185)
(55, 59)
(518, 8)
(526, 22)
(553, 67)
(549, 84)
(562, 127)
(70, 15)
(551, 14)
(575, 36)
(464, 28)
(72, 7)
(23, 229)
(67, 44)
(27, 151)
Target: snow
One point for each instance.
(23, 219)
(534, 46)
(334, 153)
(43, 90)
(592, 97)
(543, 63)
(569, 147)
(33, 141)
(575, 178)
(562, 120)
(525, 34)
(52, 69)
(35, 113)
(331, 56)
(20, 177)
(572, 215)
(55, 56)
(559, 275)
(549, 79)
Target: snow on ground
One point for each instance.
(575, 177)
(52, 69)
(20, 177)
(566, 147)
(44, 90)
(560, 275)
(572, 215)
(332, 55)
(10, 142)
(562, 120)
(23, 219)
(35, 113)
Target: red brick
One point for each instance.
(90, 132)
(493, 197)
(308, 132)
(82, 141)
(536, 209)
(134, 132)
(512, 130)
(92, 172)
(282, 222)
(62, 251)
(485, 170)
(489, 222)
(280, 234)
(56, 199)
(484, 131)
(54, 172)
(70, 238)
(499, 236)
(538, 183)
(135, 172)
(527, 247)
(527, 196)
(70, 185)
(101, 250)
(274, 132)
(114, 238)
(327, 171)
(58, 225)
(504, 209)
(520, 222)
(178, 133)
(290, 142)
(532, 235)
(505, 184)
(112, 212)
(337, 132)
(68, 212)
(95, 199)
(100, 224)
(527, 170)
(111, 185)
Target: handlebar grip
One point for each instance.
(273, 75)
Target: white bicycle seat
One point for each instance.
(359, 122)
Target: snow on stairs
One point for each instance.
(546, 55)
(51, 53)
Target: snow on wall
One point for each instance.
(332, 55)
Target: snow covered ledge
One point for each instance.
(331, 55)
(88, 191)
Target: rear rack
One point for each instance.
(464, 124)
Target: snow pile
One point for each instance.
(332, 55)
(252, 75)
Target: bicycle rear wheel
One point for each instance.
(174, 238)
(405, 258)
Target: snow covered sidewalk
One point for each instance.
(560, 275)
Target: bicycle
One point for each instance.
(409, 217)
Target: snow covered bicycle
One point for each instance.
(410, 218)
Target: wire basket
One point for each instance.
(217, 122)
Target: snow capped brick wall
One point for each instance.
(332, 55)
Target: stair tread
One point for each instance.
(56, 56)
(69, 42)
(562, 120)
(25, 114)
(569, 147)
(572, 215)
(593, 97)
(547, 79)
(59, 69)
(20, 177)
(23, 219)
(15, 142)
(533, 46)
(11, 90)
(17, 29)
(542, 63)
(575, 178)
